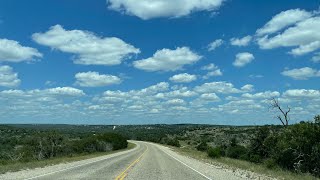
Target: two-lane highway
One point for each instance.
(147, 161)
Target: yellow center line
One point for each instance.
(125, 172)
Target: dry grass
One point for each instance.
(36, 164)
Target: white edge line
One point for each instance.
(188, 166)
(71, 167)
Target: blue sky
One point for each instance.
(177, 61)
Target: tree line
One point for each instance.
(23, 145)
(293, 147)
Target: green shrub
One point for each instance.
(173, 142)
(270, 163)
(295, 148)
(237, 152)
(214, 152)
(254, 158)
(203, 146)
(258, 148)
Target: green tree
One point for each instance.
(317, 119)
(257, 148)
(203, 146)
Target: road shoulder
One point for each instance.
(56, 165)
(204, 162)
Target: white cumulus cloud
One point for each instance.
(212, 69)
(147, 9)
(45, 93)
(168, 60)
(183, 78)
(88, 48)
(241, 41)
(217, 87)
(297, 29)
(243, 59)
(216, 72)
(302, 93)
(301, 73)
(209, 97)
(316, 58)
(8, 78)
(209, 67)
(61, 91)
(94, 79)
(215, 44)
(283, 20)
(12, 51)
(247, 88)
(262, 95)
(175, 102)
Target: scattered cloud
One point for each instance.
(283, 20)
(146, 9)
(175, 102)
(305, 48)
(183, 78)
(215, 44)
(253, 76)
(262, 95)
(241, 42)
(8, 78)
(301, 31)
(156, 99)
(168, 60)
(54, 103)
(209, 97)
(243, 59)
(216, 72)
(61, 91)
(212, 69)
(242, 106)
(50, 83)
(183, 92)
(209, 67)
(295, 29)
(88, 48)
(12, 51)
(302, 93)
(94, 79)
(316, 58)
(162, 86)
(301, 73)
(217, 87)
(247, 88)
(51, 92)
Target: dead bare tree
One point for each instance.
(283, 117)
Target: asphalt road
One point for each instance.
(147, 161)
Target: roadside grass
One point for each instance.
(37, 164)
(244, 165)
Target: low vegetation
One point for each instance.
(295, 148)
(47, 162)
(233, 165)
(288, 151)
(22, 145)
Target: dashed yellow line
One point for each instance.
(126, 171)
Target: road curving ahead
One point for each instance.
(144, 162)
